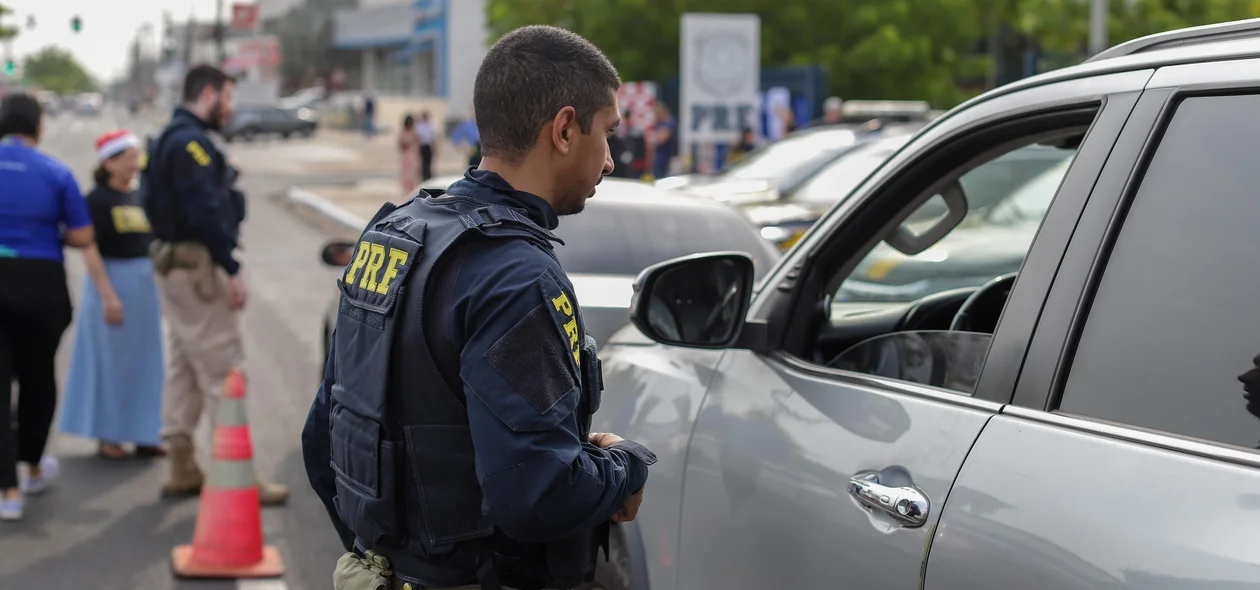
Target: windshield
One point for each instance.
(790, 157)
(839, 178)
(625, 238)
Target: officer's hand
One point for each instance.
(113, 311)
(630, 509)
(604, 440)
(236, 293)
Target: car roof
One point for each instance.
(1219, 42)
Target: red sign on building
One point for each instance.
(244, 16)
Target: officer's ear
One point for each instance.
(563, 128)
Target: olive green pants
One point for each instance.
(372, 573)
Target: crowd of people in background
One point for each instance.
(165, 255)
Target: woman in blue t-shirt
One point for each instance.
(41, 211)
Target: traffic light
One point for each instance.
(76, 24)
(10, 68)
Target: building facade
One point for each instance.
(416, 48)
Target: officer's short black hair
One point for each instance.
(20, 114)
(202, 76)
(527, 77)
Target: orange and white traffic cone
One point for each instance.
(228, 539)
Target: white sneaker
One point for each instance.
(11, 509)
(49, 467)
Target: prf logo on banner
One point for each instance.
(721, 76)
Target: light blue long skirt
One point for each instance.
(114, 389)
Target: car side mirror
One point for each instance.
(696, 301)
(337, 253)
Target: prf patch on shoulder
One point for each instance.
(380, 266)
(198, 153)
(564, 310)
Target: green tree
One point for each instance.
(56, 69)
(894, 49)
(6, 32)
(884, 49)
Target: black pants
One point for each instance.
(34, 312)
(426, 161)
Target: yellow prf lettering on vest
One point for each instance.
(375, 260)
(396, 257)
(563, 305)
(360, 259)
(370, 258)
(198, 153)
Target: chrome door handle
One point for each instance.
(907, 504)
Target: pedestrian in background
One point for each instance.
(740, 149)
(409, 162)
(664, 141)
(41, 211)
(114, 387)
(196, 214)
(428, 136)
(369, 115)
(450, 440)
(467, 136)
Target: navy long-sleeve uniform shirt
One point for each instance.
(501, 326)
(189, 200)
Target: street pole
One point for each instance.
(218, 31)
(1098, 12)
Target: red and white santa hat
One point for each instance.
(115, 142)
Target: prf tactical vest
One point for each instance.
(401, 445)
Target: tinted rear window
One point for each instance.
(624, 238)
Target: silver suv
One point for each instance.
(1056, 392)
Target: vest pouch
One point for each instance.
(444, 475)
(592, 375)
(366, 475)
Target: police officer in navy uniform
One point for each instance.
(190, 196)
(450, 439)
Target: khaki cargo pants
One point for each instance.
(203, 334)
(372, 572)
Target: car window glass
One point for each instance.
(1171, 338)
(939, 358)
(978, 249)
(840, 177)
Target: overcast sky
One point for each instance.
(109, 26)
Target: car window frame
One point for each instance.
(1050, 354)
(1113, 95)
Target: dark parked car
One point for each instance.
(627, 227)
(252, 121)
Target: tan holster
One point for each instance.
(190, 256)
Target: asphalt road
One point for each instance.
(104, 525)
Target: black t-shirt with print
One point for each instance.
(122, 229)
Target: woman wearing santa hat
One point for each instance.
(114, 388)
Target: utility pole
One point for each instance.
(1098, 13)
(219, 31)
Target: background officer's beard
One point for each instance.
(216, 116)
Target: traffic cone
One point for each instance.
(228, 539)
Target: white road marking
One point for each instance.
(261, 585)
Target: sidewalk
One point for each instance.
(334, 151)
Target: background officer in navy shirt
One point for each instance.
(196, 212)
(450, 439)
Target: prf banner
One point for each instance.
(720, 78)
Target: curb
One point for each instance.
(326, 208)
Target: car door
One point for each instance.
(803, 475)
(1128, 459)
